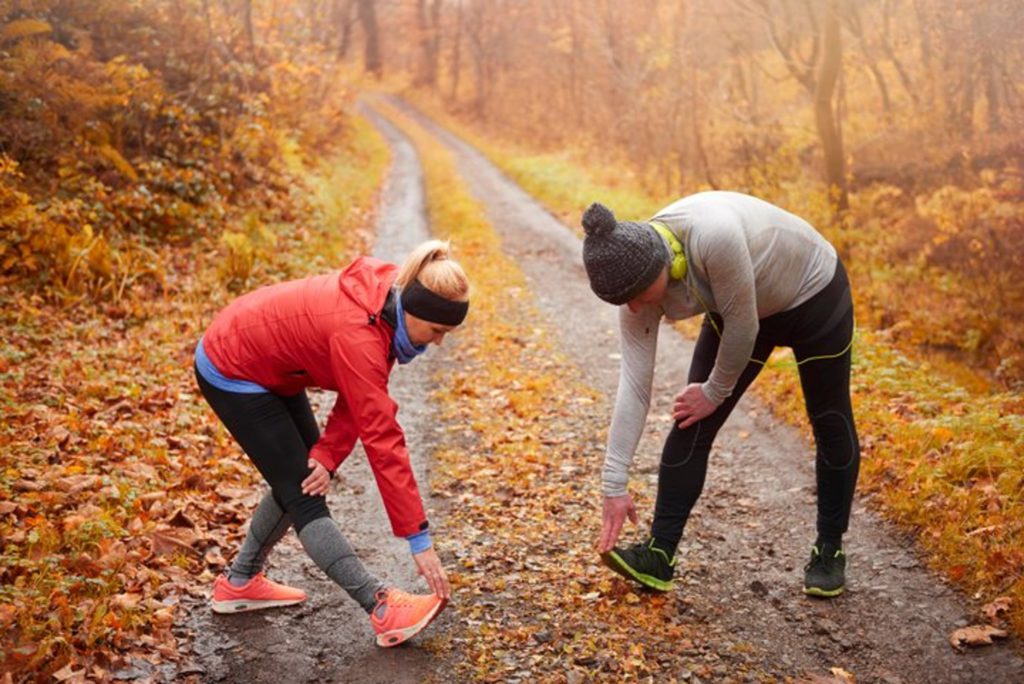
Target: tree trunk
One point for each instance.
(479, 76)
(701, 162)
(250, 34)
(456, 68)
(883, 90)
(930, 79)
(575, 66)
(428, 21)
(990, 73)
(371, 32)
(890, 54)
(827, 123)
(481, 52)
(209, 40)
(344, 20)
(964, 121)
(857, 29)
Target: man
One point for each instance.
(762, 277)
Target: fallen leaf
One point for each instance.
(169, 540)
(77, 483)
(127, 601)
(997, 608)
(975, 635)
(214, 558)
(69, 674)
(842, 675)
(228, 492)
(60, 435)
(149, 498)
(73, 521)
(180, 519)
(837, 675)
(163, 617)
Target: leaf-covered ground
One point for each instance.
(519, 474)
(118, 491)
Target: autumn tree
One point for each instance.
(343, 19)
(428, 23)
(371, 35)
(806, 35)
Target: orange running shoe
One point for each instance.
(256, 594)
(399, 616)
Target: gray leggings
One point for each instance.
(276, 434)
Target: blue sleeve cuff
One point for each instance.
(420, 542)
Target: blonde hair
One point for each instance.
(430, 264)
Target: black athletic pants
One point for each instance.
(820, 327)
(276, 433)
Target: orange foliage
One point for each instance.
(133, 138)
(118, 138)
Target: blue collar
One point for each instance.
(405, 351)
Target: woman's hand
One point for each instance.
(318, 481)
(691, 405)
(430, 567)
(616, 509)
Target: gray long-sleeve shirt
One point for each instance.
(746, 260)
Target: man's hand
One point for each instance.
(430, 567)
(616, 509)
(318, 481)
(691, 405)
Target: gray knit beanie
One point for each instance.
(622, 258)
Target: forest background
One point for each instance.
(159, 156)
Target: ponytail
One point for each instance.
(429, 263)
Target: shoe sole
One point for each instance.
(243, 606)
(614, 562)
(398, 636)
(823, 593)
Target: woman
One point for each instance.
(763, 278)
(342, 332)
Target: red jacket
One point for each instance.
(326, 331)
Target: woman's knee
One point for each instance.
(304, 509)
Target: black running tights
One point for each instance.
(276, 433)
(816, 330)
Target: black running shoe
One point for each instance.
(825, 574)
(644, 563)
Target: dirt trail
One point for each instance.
(742, 557)
(328, 638)
(745, 546)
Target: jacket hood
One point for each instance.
(367, 281)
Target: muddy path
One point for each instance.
(328, 638)
(742, 557)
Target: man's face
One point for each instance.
(653, 295)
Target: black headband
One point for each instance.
(424, 303)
